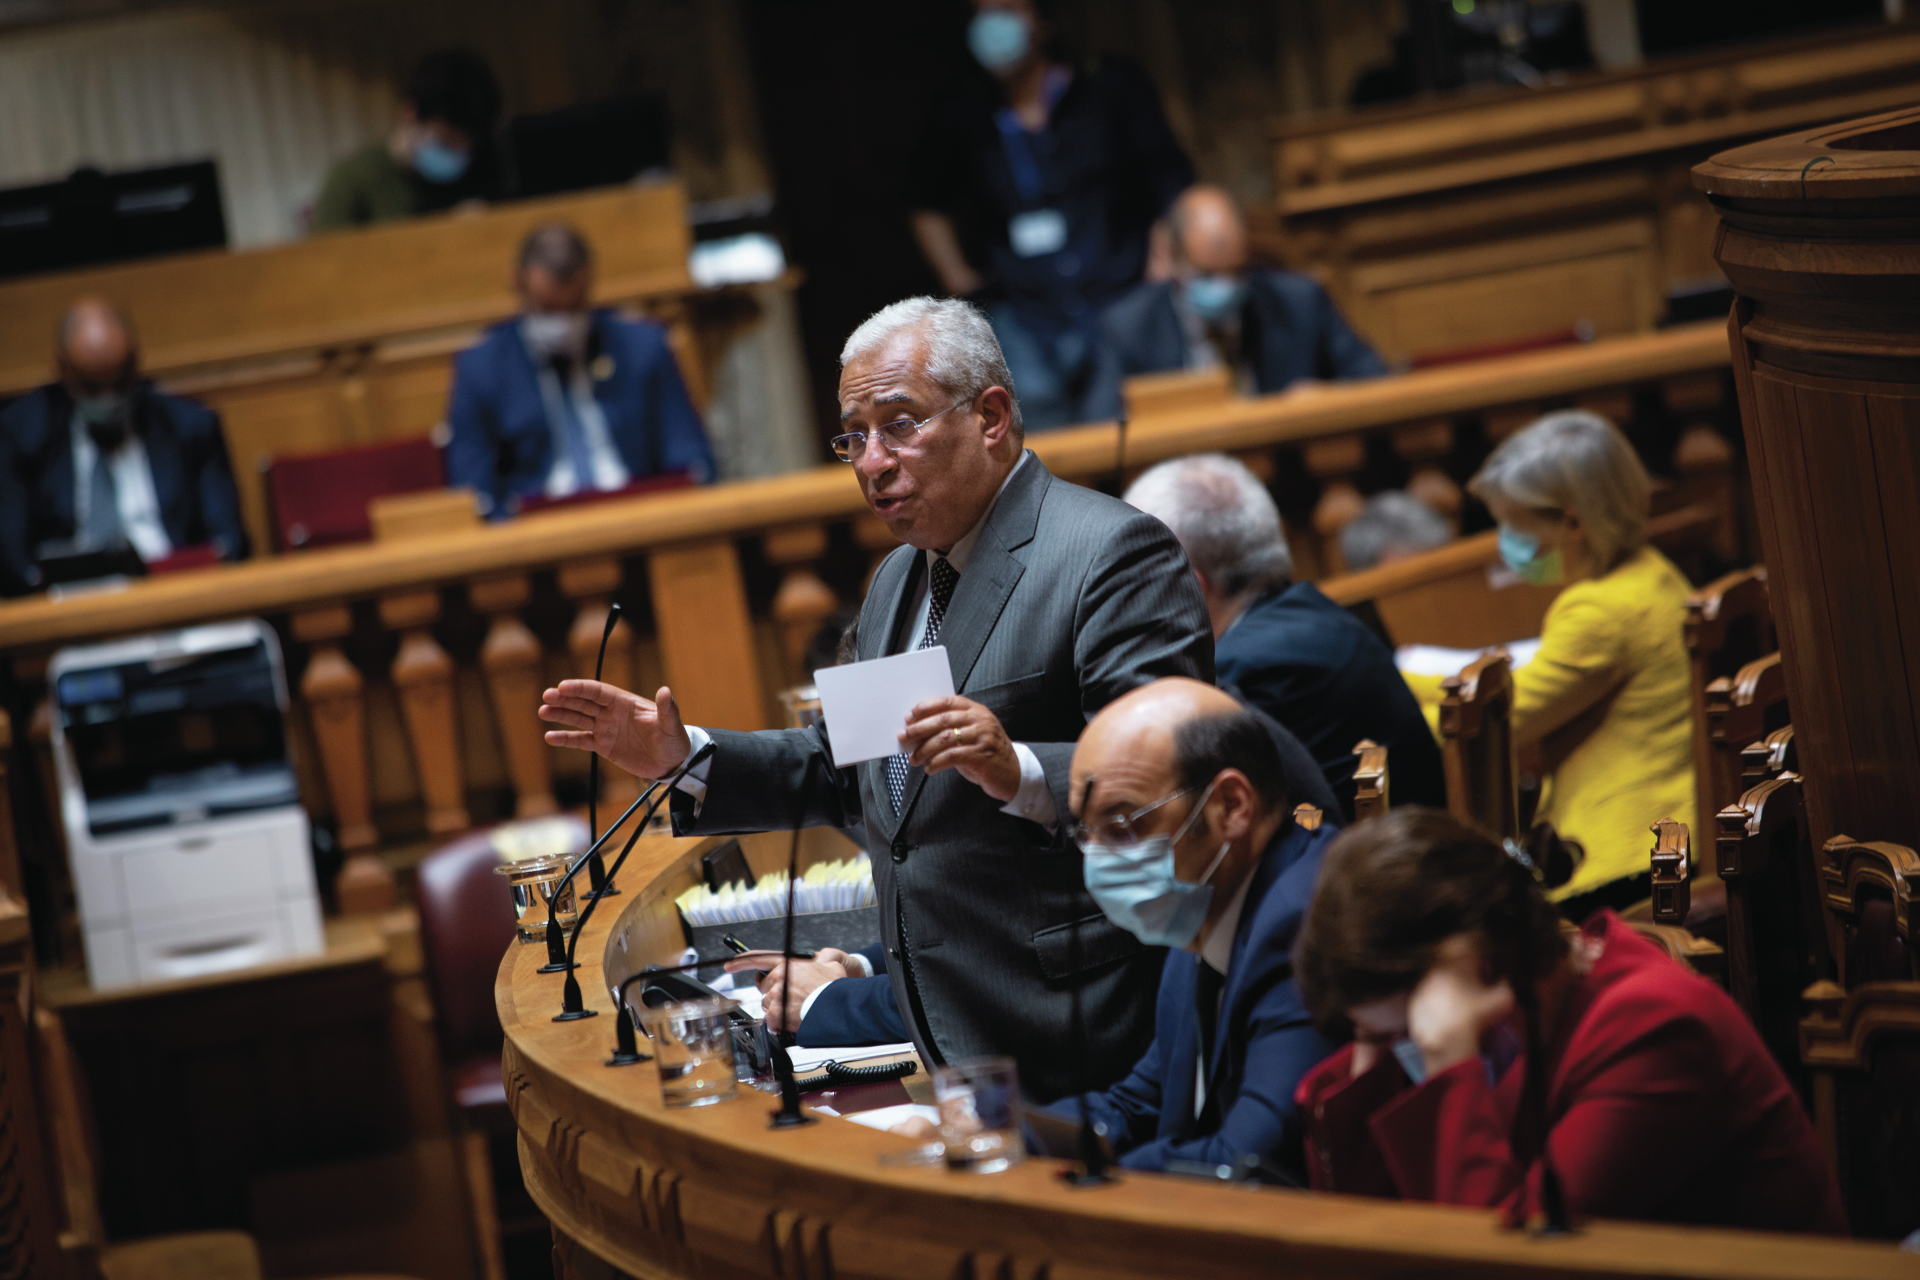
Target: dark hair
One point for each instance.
(557, 249)
(1205, 745)
(453, 86)
(1393, 888)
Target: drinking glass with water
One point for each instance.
(693, 1047)
(979, 1104)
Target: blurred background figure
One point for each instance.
(565, 397)
(1272, 328)
(1393, 526)
(100, 460)
(441, 152)
(1036, 190)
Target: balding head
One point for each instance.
(1209, 235)
(1204, 768)
(97, 350)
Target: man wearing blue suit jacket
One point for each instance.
(1270, 328)
(1190, 844)
(101, 459)
(564, 399)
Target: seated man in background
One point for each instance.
(1190, 844)
(566, 398)
(1271, 328)
(100, 460)
(1393, 526)
(1288, 649)
(439, 154)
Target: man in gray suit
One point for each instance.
(1051, 600)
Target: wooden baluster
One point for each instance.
(592, 583)
(706, 635)
(803, 602)
(10, 878)
(510, 657)
(871, 535)
(1703, 461)
(335, 694)
(30, 1221)
(1501, 423)
(1334, 462)
(1423, 446)
(423, 675)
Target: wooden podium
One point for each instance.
(1820, 234)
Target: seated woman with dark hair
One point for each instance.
(1499, 1059)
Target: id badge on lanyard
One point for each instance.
(1034, 233)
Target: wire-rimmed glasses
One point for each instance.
(898, 434)
(1121, 829)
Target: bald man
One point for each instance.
(1270, 328)
(100, 460)
(1190, 844)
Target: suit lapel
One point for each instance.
(163, 462)
(60, 478)
(1272, 863)
(987, 583)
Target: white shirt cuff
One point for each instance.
(858, 966)
(1034, 800)
(694, 784)
(806, 1006)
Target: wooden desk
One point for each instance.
(712, 1191)
(1502, 214)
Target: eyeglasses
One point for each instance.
(1121, 829)
(899, 435)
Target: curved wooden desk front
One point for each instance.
(712, 1192)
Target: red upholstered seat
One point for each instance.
(321, 499)
(478, 1085)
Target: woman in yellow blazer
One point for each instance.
(1607, 696)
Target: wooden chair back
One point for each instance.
(1369, 780)
(1702, 955)
(1741, 710)
(1768, 757)
(1476, 728)
(1149, 394)
(1860, 1038)
(1672, 872)
(1729, 624)
(1308, 817)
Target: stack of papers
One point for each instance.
(825, 886)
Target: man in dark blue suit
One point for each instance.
(843, 998)
(1283, 645)
(100, 460)
(1190, 844)
(1270, 328)
(565, 399)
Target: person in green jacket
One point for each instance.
(439, 154)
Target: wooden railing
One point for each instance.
(1491, 216)
(417, 663)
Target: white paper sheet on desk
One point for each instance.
(814, 1059)
(865, 704)
(884, 1118)
(1432, 660)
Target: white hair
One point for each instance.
(1575, 461)
(1394, 520)
(962, 354)
(1223, 516)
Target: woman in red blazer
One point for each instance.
(1499, 1059)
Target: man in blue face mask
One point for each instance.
(439, 154)
(1190, 843)
(1270, 328)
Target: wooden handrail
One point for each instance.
(829, 493)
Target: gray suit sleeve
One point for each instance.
(772, 781)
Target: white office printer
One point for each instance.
(189, 847)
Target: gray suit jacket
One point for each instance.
(1070, 599)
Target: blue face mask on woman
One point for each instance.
(437, 162)
(1215, 298)
(998, 39)
(1136, 885)
(1520, 552)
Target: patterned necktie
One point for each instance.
(945, 578)
(579, 452)
(104, 528)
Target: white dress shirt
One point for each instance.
(1034, 800)
(1217, 951)
(132, 487)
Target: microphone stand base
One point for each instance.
(623, 1059)
(784, 1119)
(574, 1015)
(1081, 1178)
(555, 966)
(607, 892)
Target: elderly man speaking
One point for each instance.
(1052, 601)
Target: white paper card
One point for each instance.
(865, 704)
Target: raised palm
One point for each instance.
(647, 739)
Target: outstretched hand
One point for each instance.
(647, 739)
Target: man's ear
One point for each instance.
(1239, 804)
(996, 407)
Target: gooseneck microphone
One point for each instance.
(596, 869)
(556, 937)
(1092, 1170)
(789, 1116)
(572, 1004)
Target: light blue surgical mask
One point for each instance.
(1136, 885)
(103, 410)
(998, 39)
(437, 162)
(1520, 552)
(1214, 298)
